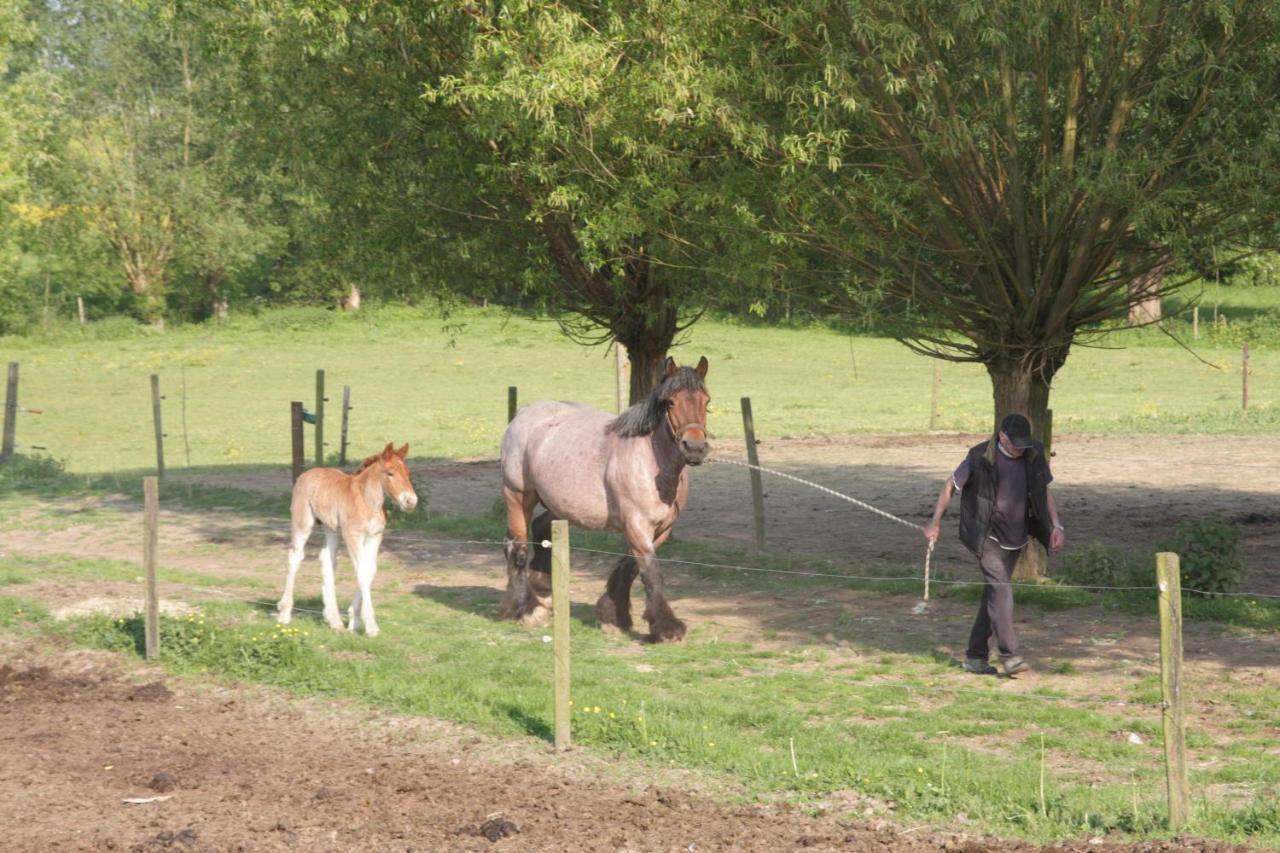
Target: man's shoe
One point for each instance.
(978, 666)
(1015, 665)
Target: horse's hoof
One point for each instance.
(538, 617)
(667, 632)
(284, 618)
(371, 632)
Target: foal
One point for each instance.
(353, 505)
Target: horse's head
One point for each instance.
(683, 394)
(395, 476)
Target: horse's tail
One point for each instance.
(301, 511)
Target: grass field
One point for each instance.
(854, 725)
(441, 384)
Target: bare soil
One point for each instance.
(103, 755)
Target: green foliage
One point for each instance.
(1208, 552)
(23, 471)
(1096, 564)
(1260, 270)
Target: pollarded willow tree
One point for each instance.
(1012, 167)
(604, 127)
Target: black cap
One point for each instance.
(1017, 429)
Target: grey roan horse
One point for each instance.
(599, 472)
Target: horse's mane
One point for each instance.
(366, 463)
(647, 415)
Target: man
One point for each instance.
(1004, 501)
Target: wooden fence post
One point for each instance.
(346, 408)
(620, 369)
(80, 307)
(560, 627)
(933, 400)
(320, 398)
(295, 417)
(10, 412)
(1195, 323)
(511, 403)
(151, 522)
(155, 417)
(1244, 387)
(1169, 582)
(757, 488)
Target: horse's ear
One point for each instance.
(702, 368)
(671, 367)
(403, 452)
(389, 450)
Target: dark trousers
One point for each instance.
(995, 615)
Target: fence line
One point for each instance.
(747, 669)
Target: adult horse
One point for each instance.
(627, 473)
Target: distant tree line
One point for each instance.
(985, 181)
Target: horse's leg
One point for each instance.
(516, 599)
(365, 573)
(537, 603)
(355, 549)
(663, 624)
(613, 610)
(300, 524)
(328, 559)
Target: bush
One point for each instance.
(1096, 564)
(20, 471)
(1261, 270)
(1208, 551)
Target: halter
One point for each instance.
(678, 434)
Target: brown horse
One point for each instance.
(626, 473)
(350, 504)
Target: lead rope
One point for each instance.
(928, 555)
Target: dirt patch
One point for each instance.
(87, 750)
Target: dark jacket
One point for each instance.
(978, 497)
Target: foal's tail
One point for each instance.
(302, 514)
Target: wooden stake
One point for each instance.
(560, 627)
(620, 368)
(346, 409)
(151, 523)
(10, 412)
(295, 416)
(757, 488)
(320, 398)
(1244, 380)
(933, 401)
(186, 439)
(1169, 582)
(80, 307)
(155, 417)
(1195, 323)
(511, 403)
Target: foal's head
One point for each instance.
(683, 396)
(394, 475)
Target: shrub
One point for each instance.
(1208, 551)
(1096, 564)
(20, 471)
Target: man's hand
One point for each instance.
(1056, 539)
(931, 532)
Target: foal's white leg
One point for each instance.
(328, 556)
(299, 531)
(355, 550)
(365, 572)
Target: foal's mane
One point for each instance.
(648, 414)
(366, 463)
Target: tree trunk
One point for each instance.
(1015, 388)
(646, 325)
(1144, 293)
(352, 300)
